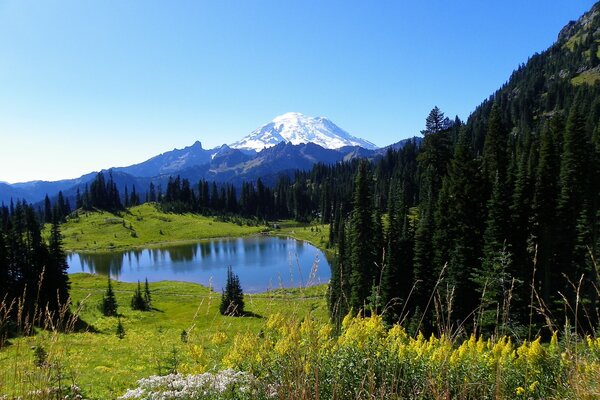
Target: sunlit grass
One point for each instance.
(103, 365)
(144, 226)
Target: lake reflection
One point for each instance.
(262, 263)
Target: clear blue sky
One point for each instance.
(86, 85)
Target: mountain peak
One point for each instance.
(296, 128)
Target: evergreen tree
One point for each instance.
(362, 250)
(574, 171)
(544, 227)
(460, 230)
(137, 301)
(232, 298)
(495, 158)
(47, 210)
(339, 287)
(147, 295)
(396, 281)
(56, 278)
(109, 301)
(120, 330)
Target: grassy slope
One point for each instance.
(104, 366)
(316, 234)
(143, 226)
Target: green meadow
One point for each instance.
(184, 331)
(144, 226)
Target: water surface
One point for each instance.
(262, 263)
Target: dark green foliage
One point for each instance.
(102, 194)
(398, 264)
(362, 250)
(32, 270)
(120, 330)
(338, 295)
(40, 356)
(458, 235)
(109, 302)
(138, 301)
(147, 295)
(232, 298)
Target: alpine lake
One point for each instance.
(262, 263)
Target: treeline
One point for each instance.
(501, 233)
(34, 285)
(287, 199)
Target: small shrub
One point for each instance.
(120, 330)
(40, 356)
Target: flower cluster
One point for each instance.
(227, 384)
(303, 356)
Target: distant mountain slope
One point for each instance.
(297, 128)
(290, 142)
(171, 161)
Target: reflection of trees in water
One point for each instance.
(103, 263)
(182, 253)
(263, 262)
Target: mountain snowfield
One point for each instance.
(297, 128)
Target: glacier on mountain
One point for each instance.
(297, 128)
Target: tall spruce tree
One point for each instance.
(362, 250)
(461, 230)
(56, 279)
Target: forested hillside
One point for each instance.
(494, 222)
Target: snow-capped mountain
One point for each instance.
(297, 128)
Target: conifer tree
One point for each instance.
(574, 170)
(495, 159)
(362, 250)
(339, 288)
(544, 226)
(147, 295)
(460, 231)
(396, 281)
(56, 278)
(120, 330)
(137, 301)
(232, 298)
(47, 210)
(109, 301)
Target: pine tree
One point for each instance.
(339, 288)
(574, 171)
(396, 280)
(460, 230)
(544, 206)
(362, 250)
(120, 330)
(232, 298)
(47, 210)
(109, 302)
(147, 295)
(56, 278)
(137, 301)
(495, 158)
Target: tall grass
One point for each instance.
(37, 372)
(299, 356)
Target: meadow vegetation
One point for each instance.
(184, 333)
(144, 226)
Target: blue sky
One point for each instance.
(86, 85)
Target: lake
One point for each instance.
(261, 262)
